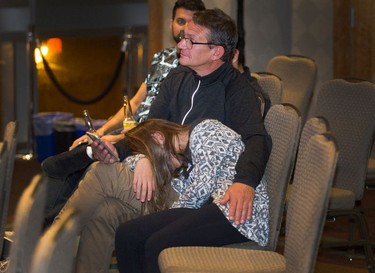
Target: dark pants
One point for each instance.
(140, 241)
(63, 171)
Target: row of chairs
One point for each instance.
(347, 110)
(315, 167)
(34, 252)
(292, 79)
(26, 250)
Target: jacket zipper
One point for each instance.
(192, 103)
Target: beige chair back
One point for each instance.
(298, 74)
(271, 85)
(27, 225)
(56, 249)
(283, 124)
(349, 108)
(308, 203)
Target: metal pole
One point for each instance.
(241, 31)
(30, 47)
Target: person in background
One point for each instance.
(65, 170)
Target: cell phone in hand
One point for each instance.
(96, 137)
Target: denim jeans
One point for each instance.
(63, 171)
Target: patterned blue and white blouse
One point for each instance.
(215, 149)
(161, 65)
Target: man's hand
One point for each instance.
(144, 180)
(100, 153)
(82, 139)
(240, 197)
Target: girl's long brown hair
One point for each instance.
(141, 142)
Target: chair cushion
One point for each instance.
(219, 260)
(341, 199)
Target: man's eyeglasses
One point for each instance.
(189, 43)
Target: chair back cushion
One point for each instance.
(56, 249)
(308, 203)
(27, 225)
(298, 74)
(283, 123)
(271, 85)
(349, 108)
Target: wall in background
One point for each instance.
(274, 27)
(69, 19)
(312, 26)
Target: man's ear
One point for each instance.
(218, 53)
(158, 137)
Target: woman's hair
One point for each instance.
(141, 141)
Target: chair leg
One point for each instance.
(367, 245)
(355, 216)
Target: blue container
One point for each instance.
(44, 132)
(80, 127)
(64, 132)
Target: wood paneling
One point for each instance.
(354, 34)
(155, 27)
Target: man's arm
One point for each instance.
(246, 119)
(116, 120)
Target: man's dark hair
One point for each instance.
(192, 5)
(222, 30)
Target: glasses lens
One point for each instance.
(188, 43)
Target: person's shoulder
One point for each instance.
(234, 78)
(229, 73)
(175, 77)
(180, 70)
(168, 51)
(165, 60)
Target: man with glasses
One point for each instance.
(206, 85)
